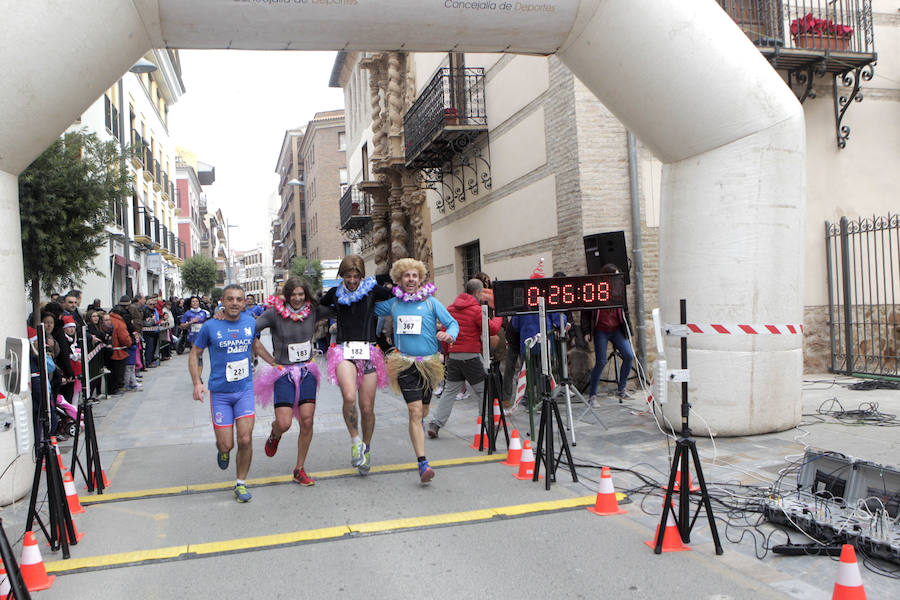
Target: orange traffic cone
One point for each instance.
(62, 468)
(514, 454)
(526, 464)
(496, 414)
(671, 536)
(677, 486)
(849, 583)
(105, 480)
(32, 566)
(71, 495)
(606, 497)
(78, 534)
(4, 583)
(478, 435)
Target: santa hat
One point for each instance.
(538, 272)
(32, 334)
(68, 320)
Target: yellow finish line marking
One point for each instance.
(226, 485)
(190, 551)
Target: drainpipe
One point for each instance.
(637, 250)
(127, 241)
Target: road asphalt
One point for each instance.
(169, 527)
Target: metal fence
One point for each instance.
(863, 262)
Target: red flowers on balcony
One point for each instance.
(822, 27)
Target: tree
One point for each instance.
(66, 198)
(298, 269)
(198, 274)
(216, 295)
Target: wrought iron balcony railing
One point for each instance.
(794, 33)
(355, 209)
(448, 114)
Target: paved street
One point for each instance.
(172, 511)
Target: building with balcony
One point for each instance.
(519, 160)
(142, 254)
(189, 196)
(324, 165)
(289, 224)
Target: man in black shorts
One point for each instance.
(415, 367)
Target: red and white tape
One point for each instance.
(739, 329)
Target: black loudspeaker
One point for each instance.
(603, 248)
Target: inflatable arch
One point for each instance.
(680, 75)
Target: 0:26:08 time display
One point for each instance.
(568, 294)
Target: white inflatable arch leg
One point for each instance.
(691, 86)
(680, 75)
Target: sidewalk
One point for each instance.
(162, 437)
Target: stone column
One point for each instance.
(381, 231)
(399, 236)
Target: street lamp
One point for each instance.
(309, 272)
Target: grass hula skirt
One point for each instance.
(430, 368)
(265, 377)
(336, 356)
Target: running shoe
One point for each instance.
(356, 454)
(624, 395)
(433, 429)
(272, 445)
(426, 473)
(366, 464)
(241, 494)
(222, 458)
(302, 478)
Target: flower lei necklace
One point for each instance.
(287, 312)
(347, 298)
(423, 292)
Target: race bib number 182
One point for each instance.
(356, 351)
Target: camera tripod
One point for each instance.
(62, 531)
(684, 446)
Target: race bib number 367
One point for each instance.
(237, 370)
(409, 324)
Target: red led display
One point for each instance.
(559, 293)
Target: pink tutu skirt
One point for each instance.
(265, 377)
(376, 359)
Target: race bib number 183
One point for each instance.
(299, 352)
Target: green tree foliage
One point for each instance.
(66, 198)
(298, 269)
(216, 295)
(198, 274)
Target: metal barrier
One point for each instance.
(863, 263)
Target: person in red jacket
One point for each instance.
(121, 340)
(464, 363)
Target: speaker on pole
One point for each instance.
(603, 248)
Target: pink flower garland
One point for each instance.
(277, 303)
(423, 292)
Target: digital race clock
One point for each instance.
(560, 293)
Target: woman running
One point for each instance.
(294, 381)
(355, 363)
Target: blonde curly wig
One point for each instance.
(407, 264)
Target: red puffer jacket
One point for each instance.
(467, 312)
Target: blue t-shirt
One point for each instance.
(190, 314)
(230, 356)
(255, 311)
(422, 319)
